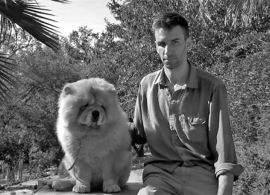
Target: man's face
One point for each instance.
(171, 46)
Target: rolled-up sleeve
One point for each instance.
(220, 134)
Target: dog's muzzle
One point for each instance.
(92, 117)
(95, 116)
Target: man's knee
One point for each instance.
(148, 190)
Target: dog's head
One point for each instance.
(89, 103)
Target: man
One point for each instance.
(182, 113)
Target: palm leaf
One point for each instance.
(61, 1)
(32, 18)
(7, 78)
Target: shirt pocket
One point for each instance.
(194, 127)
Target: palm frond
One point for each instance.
(7, 78)
(61, 1)
(32, 18)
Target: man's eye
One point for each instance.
(161, 44)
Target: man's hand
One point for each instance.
(225, 184)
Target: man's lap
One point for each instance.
(182, 181)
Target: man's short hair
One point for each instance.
(168, 20)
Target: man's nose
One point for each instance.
(167, 49)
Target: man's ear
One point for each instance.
(189, 43)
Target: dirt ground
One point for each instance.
(27, 188)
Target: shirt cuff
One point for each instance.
(235, 169)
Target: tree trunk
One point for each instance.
(3, 169)
(20, 170)
(8, 175)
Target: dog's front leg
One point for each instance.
(110, 177)
(82, 173)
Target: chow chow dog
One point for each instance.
(93, 132)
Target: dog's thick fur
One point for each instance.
(93, 132)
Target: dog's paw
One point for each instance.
(61, 184)
(80, 188)
(58, 185)
(111, 188)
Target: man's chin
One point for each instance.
(170, 65)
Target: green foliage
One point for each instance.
(28, 121)
(248, 86)
(124, 53)
(238, 54)
(79, 44)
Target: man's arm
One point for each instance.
(221, 142)
(136, 128)
(225, 183)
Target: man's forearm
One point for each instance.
(225, 184)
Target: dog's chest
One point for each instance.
(95, 151)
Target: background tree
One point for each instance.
(235, 51)
(30, 17)
(30, 115)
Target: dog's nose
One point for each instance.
(95, 115)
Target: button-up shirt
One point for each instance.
(190, 127)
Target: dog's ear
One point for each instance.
(68, 90)
(113, 92)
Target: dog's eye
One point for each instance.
(83, 107)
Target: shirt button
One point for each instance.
(171, 127)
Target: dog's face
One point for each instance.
(92, 115)
(88, 103)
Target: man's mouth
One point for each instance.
(168, 59)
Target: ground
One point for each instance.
(29, 187)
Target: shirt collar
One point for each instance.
(192, 80)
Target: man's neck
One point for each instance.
(177, 76)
